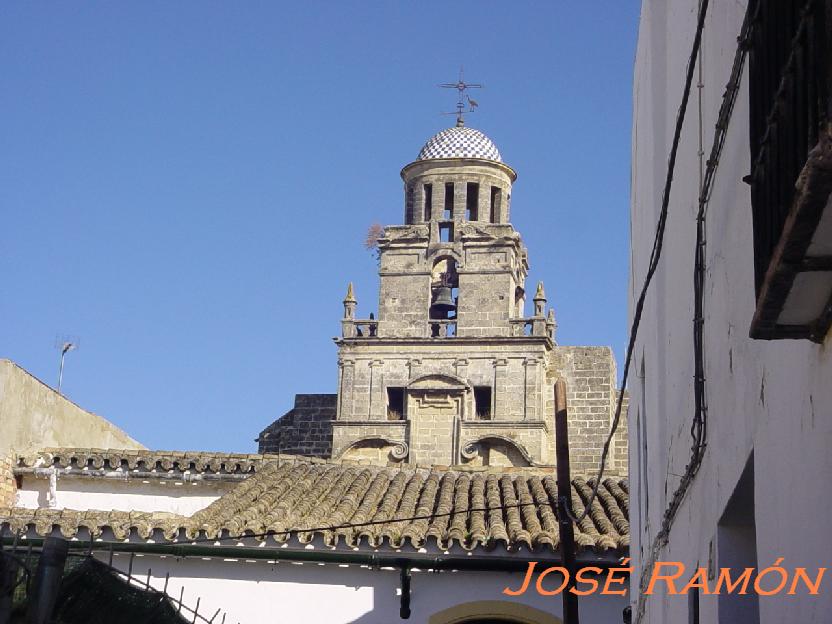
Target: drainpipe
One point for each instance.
(475, 563)
(567, 534)
(404, 605)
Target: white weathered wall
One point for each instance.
(83, 494)
(772, 397)
(253, 592)
(34, 416)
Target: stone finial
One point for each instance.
(539, 301)
(349, 312)
(551, 323)
(350, 298)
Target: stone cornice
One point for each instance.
(402, 424)
(453, 340)
(503, 424)
(440, 163)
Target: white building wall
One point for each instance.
(254, 592)
(179, 497)
(770, 397)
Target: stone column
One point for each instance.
(485, 200)
(500, 389)
(345, 392)
(461, 369)
(532, 389)
(378, 404)
(414, 367)
(460, 194)
(418, 203)
(501, 200)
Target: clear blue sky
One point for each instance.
(186, 186)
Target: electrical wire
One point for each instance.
(655, 255)
(354, 525)
(699, 423)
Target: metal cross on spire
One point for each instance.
(461, 86)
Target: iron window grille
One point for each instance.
(791, 176)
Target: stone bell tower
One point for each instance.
(451, 370)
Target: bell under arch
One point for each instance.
(493, 612)
(444, 288)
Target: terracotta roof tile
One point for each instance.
(470, 509)
(193, 461)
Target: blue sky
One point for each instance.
(186, 186)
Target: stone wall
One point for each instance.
(619, 457)
(492, 265)
(494, 443)
(8, 483)
(514, 369)
(306, 429)
(590, 376)
(345, 435)
(404, 299)
(523, 405)
(486, 299)
(35, 416)
(432, 418)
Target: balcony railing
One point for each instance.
(521, 326)
(442, 328)
(359, 328)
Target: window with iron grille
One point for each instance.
(791, 177)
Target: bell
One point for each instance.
(443, 301)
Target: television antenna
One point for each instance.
(461, 86)
(65, 344)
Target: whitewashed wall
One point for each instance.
(253, 592)
(181, 497)
(772, 397)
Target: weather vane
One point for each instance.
(461, 86)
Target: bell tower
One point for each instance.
(452, 368)
(464, 265)
(451, 371)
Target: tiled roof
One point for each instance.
(192, 461)
(302, 494)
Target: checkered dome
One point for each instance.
(460, 142)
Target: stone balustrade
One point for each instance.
(532, 326)
(359, 328)
(521, 326)
(442, 328)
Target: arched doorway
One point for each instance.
(493, 612)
